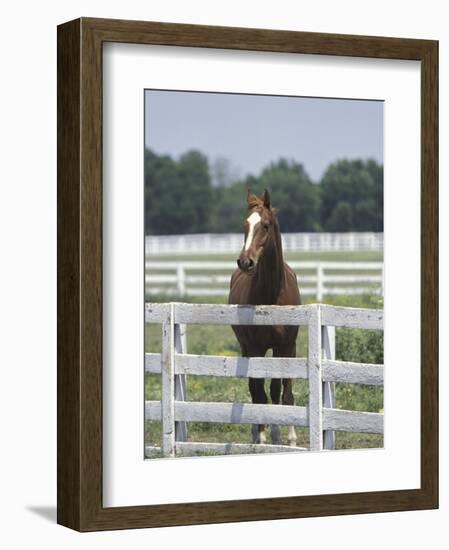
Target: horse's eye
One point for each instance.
(265, 226)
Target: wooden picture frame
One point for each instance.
(80, 351)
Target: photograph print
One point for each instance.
(263, 274)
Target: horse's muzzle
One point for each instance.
(246, 265)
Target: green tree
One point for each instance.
(193, 170)
(341, 217)
(228, 208)
(293, 193)
(163, 193)
(352, 196)
(180, 198)
(177, 194)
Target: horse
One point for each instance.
(263, 278)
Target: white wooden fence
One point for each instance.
(322, 278)
(228, 243)
(320, 368)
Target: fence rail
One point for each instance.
(225, 243)
(322, 278)
(320, 368)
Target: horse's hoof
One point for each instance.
(291, 437)
(259, 437)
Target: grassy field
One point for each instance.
(352, 345)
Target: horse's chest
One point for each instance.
(256, 340)
(263, 338)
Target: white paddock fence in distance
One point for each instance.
(200, 278)
(228, 243)
(320, 368)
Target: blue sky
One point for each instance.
(251, 131)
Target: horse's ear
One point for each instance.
(266, 199)
(275, 211)
(252, 199)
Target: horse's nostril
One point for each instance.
(245, 264)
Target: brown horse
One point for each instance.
(263, 278)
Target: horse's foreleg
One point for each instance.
(275, 394)
(258, 395)
(287, 350)
(287, 399)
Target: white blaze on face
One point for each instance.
(253, 220)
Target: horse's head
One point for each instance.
(260, 228)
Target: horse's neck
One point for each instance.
(270, 275)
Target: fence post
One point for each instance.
(354, 243)
(168, 385)
(315, 380)
(180, 380)
(306, 237)
(319, 282)
(328, 343)
(181, 277)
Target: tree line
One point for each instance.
(180, 196)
